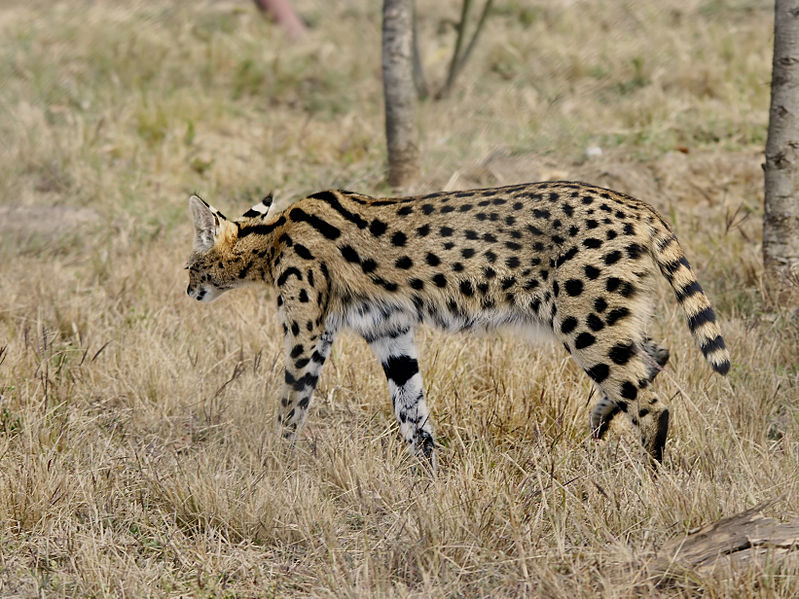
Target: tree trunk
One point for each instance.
(781, 207)
(399, 92)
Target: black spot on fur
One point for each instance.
(594, 322)
(622, 352)
(534, 230)
(627, 289)
(440, 280)
(566, 256)
(598, 372)
(378, 227)
(574, 287)
(303, 252)
(432, 259)
(584, 340)
(399, 238)
(349, 253)
(634, 251)
(368, 265)
(508, 282)
(592, 242)
(568, 325)
(400, 369)
(404, 262)
(615, 315)
(629, 390)
(592, 272)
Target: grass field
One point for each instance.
(137, 448)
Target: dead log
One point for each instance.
(729, 544)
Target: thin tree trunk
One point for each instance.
(781, 208)
(400, 92)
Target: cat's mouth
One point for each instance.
(203, 293)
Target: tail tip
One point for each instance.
(722, 367)
(715, 351)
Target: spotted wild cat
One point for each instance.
(571, 258)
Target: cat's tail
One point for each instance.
(669, 256)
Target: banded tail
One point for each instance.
(668, 255)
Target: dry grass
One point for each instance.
(137, 454)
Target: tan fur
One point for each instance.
(574, 258)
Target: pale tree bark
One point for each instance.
(399, 92)
(781, 207)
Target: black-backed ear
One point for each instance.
(206, 223)
(261, 208)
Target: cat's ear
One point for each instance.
(206, 222)
(261, 208)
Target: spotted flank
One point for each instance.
(573, 259)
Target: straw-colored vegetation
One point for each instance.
(137, 447)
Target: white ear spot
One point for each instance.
(261, 209)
